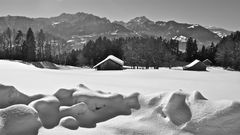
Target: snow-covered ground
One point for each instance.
(216, 84)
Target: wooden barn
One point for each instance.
(196, 65)
(110, 63)
(207, 62)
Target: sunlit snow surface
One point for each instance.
(216, 84)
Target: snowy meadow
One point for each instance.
(172, 101)
(216, 83)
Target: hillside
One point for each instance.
(81, 27)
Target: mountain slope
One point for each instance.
(172, 29)
(78, 28)
(219, 31)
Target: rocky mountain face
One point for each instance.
(79, 28)
(172, 29)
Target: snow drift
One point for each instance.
(57, 109)
(19, 120)
(86, 108)
(177, 111)
(9, 95)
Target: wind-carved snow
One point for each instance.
(88, 107)
(150, 112)
(180, 38)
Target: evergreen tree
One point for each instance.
(1, 46)
(191, 50)
(31, 46)
(24, 51)
(18, 41)
(203, 53)
(7, 38)
(47, 52)
(228, 51)
(40, 45)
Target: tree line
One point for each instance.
(193, 52)
(228, 51)
(16, 45)
(146, 51)
(135, 51)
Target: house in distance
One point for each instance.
(110, 63)
(207, 62)
(196, 65)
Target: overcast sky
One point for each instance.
(221, 13)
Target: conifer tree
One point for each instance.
(191, 49)
(31, 46)
(40, 45)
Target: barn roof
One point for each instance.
(192, 64)
(113, 58)
(207, 62)
(196, 65)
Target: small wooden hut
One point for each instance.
(110, 63)
(196, 65)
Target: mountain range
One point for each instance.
(81, 27)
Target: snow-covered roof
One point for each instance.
(193, 63)
(113, 58)
(207, 60)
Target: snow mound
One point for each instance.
(177, 109)
(69, 123)
(19, 120)
(65, 96)
(181, 113)
(167, 113)
(48, 110)
(78, 111)
(9, 95)
(196, 95)
(214, 118)
(132, 101)
(98, 106)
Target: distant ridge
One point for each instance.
(81, 27)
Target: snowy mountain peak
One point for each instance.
(141, 19)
